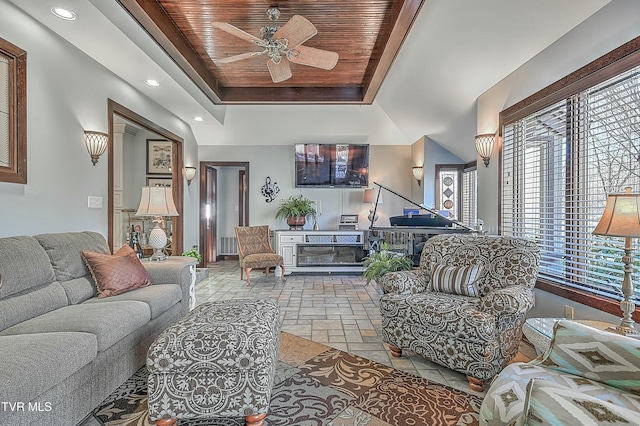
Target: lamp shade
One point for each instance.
(156, 201)
(370, 196)
(484, 146)
(96, 143)
(189, 173)
(417, 172)
(621, 216)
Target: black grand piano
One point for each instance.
(409, 232)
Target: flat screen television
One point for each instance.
(332, 165)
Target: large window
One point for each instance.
(559, 162)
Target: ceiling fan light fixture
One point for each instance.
(273, 13)
(278, 43)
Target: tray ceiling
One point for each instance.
(366, 34)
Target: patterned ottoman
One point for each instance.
(217, 361)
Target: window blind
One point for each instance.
(558, 166)
(470, 196)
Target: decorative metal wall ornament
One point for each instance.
(270, 190)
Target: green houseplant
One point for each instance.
(383, 262)
(193, 252)
(294, 210)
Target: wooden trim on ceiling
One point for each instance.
(152, 18)
(402, 13)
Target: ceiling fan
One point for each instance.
(282, 45)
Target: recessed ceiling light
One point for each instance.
(198, 118)
(154, 83)
(63, 13)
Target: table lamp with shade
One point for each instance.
(157, 201)
(621, 218)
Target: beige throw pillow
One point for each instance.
(118, 273)
(456, 279)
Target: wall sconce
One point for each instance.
(484, 146)
(189, 173)
(418, 173)
(96, 143)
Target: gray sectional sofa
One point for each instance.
(62, 349)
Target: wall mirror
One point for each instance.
(141, 153)
(13, 113)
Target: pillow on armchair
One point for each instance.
(117, 273)
(456, 279)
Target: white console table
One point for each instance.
(320, 251)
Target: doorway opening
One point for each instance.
(224, 204)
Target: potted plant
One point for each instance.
(383, 262)
(193, 252)
(294, 210)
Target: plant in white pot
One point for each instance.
(294, 210)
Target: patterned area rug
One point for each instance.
(317, 385)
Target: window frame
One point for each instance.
(16, 172)
(607, 66)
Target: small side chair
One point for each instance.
(255, 251)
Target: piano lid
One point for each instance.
(434, 217)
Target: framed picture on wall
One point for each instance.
(162, 182)
(159, 156)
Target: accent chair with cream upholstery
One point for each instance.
(255, 251)
(465, 306)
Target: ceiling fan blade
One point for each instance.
(313, 57)
(228, 28)
(280, 71)
(297, 30)
(236, 58)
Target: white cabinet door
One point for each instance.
(287, 251)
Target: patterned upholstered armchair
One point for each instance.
(586, 377)
(465, 306)
(254, 247)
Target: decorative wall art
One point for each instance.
(270, 190)
(159, 156)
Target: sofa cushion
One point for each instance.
(116, 274)
(159, 297)
(110, 322)
(24, 266)
(64, 250)
(455, 279)
(548, 403)
(505, 400)
(33, 363)
(80, 289)
(22, 307)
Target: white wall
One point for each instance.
(67, 93)
(388, 165)
(614, 25)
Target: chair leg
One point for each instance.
(282, 273)
(241, 273)
(266, 272)
(255, 420)
(395, 351)
(476, 384)
(248, 270)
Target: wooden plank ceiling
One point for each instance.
(366, 34)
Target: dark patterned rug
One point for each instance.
(317, 385)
